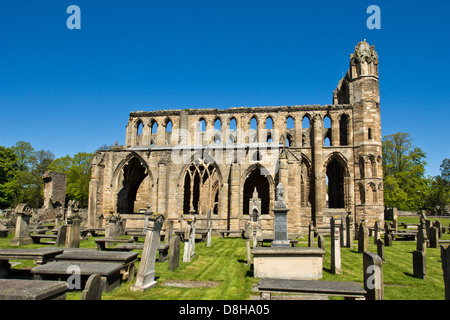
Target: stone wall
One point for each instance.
(184, 162)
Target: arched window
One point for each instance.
(343, 130)
(253, 130)
(306, 131)
(139, 131)
(168, 133)
(327, 131)
(269, 127)
(154, 131)
(217, 130)
(290, 131)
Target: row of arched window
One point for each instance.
(257, 132)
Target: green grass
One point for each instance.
(224, 262)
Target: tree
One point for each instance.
(438, 198)
(404, 169)
(31, 166)
(8, 172)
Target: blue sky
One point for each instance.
(72, 90)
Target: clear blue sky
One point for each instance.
(72, 90)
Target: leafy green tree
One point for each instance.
(8, 172)
(404, 170)
(31, 166)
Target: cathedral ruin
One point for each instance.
(195, 161)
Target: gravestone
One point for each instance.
(147, 215)
(311, 234)
(387, 240)
(99, 222)
(192, 236)
(255, 217)
(146, 275)
(419, 264)
(23, 212)
(373, 276)
(438, 226)
(174, 253)
(169, 232)
(342, 236)
(335, 246)
(349, 229)
(363, 238)
(73, 232)
(428, 225)
(380, 249)
(280, 219)
(433, 237)
(249, 252)
(208, 228)
(93, 288)
(376, 231)
(445, 262)
(321, 244)
(357, 225)
(61, 236)
(421, 243)
(187, 242)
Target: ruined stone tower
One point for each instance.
(189, 161)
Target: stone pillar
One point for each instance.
(161, 186)
(146, 275)
(373, 276)
(23, 213)
(187, 242)
(319, 193)
(335, 246)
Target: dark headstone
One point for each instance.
(93, 288)
(445, 258)
(419, 264)
(61, 236)
(174, 253)
(373, 276)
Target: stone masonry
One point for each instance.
(189, 161)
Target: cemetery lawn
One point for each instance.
(220, 272)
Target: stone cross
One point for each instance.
(255, 217)
(174, 253)
(335, 246)
(373, 276)
(146, 275)
(73, 227)
(280, 220)
(23, 212)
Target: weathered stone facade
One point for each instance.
(190, 161)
